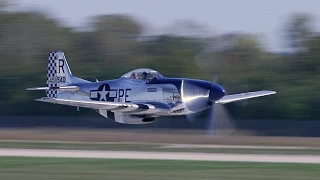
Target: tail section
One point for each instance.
(59, 76)
(59, 73)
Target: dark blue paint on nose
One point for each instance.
(216, 92)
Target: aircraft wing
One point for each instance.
(136, 108)
(238, 97)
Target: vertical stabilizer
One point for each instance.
(59, 73)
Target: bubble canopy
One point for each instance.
(142, 74)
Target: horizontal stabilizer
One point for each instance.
(66, 88)
(238, 97)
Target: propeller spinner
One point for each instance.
(200, 95)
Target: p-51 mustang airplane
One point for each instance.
(137, 97)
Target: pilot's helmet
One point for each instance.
(145, 75)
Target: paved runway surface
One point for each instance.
(314, 159)
(211, 146)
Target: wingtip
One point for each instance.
(270, 92)
(37, 88)
(273, 92)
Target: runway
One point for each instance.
(310, 159)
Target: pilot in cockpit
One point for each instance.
(134, 75)
(146, 76)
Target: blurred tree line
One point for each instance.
(111, 45)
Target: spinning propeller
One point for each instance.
(217, 118)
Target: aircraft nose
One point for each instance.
(216, 92)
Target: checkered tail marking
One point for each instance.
(52, 71)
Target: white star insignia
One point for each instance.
(103, 94)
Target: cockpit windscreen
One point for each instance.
(143, 74)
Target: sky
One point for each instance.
(265, 18)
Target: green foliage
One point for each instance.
(299, 31)
(113, 45)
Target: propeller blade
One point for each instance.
(210, 121)
(224, 123)
(216, 120)
(193, 117)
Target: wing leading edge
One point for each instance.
(237, 97)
